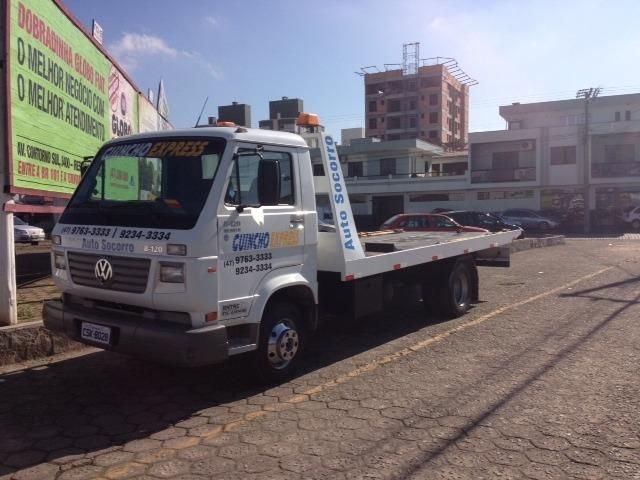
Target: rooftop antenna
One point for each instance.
(201, 111)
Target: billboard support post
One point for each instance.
(8, 290)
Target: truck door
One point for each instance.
(256, 239)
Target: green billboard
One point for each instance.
(66, 98)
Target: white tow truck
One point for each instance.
(190, 246)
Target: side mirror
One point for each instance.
(268, 182)
(84, 166)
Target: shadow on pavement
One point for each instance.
(100, 400)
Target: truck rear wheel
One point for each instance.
(280, 342)
(450, 296)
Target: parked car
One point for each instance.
(483, 220)
(440, 210)
(632, 217)
(528, 219)
(25, 233)
(426, 222)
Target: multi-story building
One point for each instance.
(238, 113)
(283, 114)
(426, 99)
(554, 156)
(395, 176)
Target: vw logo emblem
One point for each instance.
(103, 270)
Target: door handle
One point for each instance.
(296, 220)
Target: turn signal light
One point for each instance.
(211, 317)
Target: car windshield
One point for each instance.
(19, 221)
(391, 221)
(155, 183)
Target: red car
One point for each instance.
(426, 222)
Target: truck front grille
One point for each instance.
(127, 274)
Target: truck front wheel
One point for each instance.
(280, 342)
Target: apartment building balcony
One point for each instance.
(400, 113)
(615, 170)
(504, 175)
(415, 176)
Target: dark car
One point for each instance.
(426, 222)
(483, 220)
(529, 219)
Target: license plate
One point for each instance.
(95, 333)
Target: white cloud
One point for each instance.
(132, 48)
(436, 23)
(211, 21)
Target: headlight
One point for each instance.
(172, 272)
(59, 261)
(56, 239)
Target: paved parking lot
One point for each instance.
(537, 381)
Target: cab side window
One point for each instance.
(286, 176)
(243, 183)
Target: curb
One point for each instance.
(529, 243)
(30, 341)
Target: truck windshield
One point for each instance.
(155, 183)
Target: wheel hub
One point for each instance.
(283, 344)
(461, 290)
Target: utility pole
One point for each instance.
(588, 94)
(8, 291)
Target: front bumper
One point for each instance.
(168, 343)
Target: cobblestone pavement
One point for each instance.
(539, 381)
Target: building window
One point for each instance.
(433, 134)
(413, 122)
(563, 155)
(373, 106)
(373, 124)
(576, 119)
(394, 106)
(430, 82)
(617, 116)
(433, 117)
(394, 122)
(433, 99)
(437, 197)
(376, 88)
(387, 166)
(620, 153)
(318, 170)
(455, 168)
(354, 169)
(505, 160)
(627, 115)
(413, 105)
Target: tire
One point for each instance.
(450, 296)
(543, 226)
(635, 224)
(280, 342)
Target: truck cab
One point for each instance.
(175, 245)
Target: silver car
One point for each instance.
(528, 219)
(25, 233)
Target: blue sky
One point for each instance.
(256, 51)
